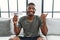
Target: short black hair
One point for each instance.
(31, 4)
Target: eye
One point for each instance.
(31, 8)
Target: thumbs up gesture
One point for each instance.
(43, 16)
(15, 19)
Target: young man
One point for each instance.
(30, 24)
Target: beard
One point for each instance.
(30, 14)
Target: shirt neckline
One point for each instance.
(32, 20)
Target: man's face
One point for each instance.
(30, 10)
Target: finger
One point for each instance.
(42, 14)
(46, 14)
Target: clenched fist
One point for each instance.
(43, 16)
(15, 19)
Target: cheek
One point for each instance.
(30, 11)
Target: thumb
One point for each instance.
(46, 14)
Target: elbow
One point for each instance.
(17, 31)
(44, 31)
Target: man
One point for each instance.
(30, 24)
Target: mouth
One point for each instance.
(30, 13)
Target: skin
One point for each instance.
(30, 16)
(30, 13)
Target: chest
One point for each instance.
(30, 25)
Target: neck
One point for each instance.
(30, 17)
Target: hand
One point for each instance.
(39, 38)
(15, 19)
(15, 38)
(43, 16)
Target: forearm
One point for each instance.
(16, 29)
(44, 28)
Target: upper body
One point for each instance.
(31, 29)
(31, 23)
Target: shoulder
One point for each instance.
(38, 17)
(22, 18)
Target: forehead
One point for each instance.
(31, 6)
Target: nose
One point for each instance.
(31, 9)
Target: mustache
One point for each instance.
(30, 14)
(30, 11)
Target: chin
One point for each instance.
(31, 15)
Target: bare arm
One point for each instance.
(44, 28)
(16, 29)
